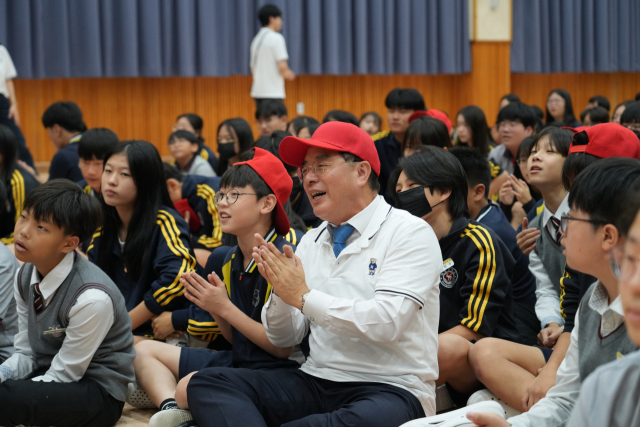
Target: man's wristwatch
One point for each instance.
(304, 298)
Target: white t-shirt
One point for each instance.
(267, 49)
(7, 70)
(374, 311)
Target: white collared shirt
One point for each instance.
(374, 311)
(90, 319)
(556, 407)
(547, 299)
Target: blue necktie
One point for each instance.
(340, 236)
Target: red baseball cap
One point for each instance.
(336, 136)
(272, 171)
(606, 140)
(436, 114)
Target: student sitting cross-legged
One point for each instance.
(195, 198)
(603, 203)
(74, 349)
(144, 244)
(250, 200)
(475, 283)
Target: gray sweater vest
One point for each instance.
(112, 363)
(595, 350)
(550, 254)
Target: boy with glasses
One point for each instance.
(604, 201)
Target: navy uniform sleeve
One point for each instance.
(487, 281)
(63, 166)
(210, 234)
(573, 286)
(172, 258)
(196, 322)
(92, 249)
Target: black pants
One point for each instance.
(243, 397)
(36, 403)
(527, 322)
(23, 152)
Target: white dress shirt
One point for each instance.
(373, 312)
(547, 299)
(90, 319)
(556, 407)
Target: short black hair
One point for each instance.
(270, 107)
(373, 181)
(631, 114)
(184, 134)
(435, 169)
(426, 131)
(271, 143)
(559, 139)
(637, 98)
(95, 143)
(476, 167)
(65, 114)
(64, 204)
(524, 150)
(340, 116)
(518, 112)
(3, 194)
(511, 97)
(609, 191)
(171, 172)
(313, 128)
(597, 115)
(193, 119)
(601, 101)
(268, 11)
(301, 122)
(376, 117)
(409, 99)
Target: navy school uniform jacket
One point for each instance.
(200, 192)
(523, 282)
(86, 188)
(169, 255)
(18, 187)
(65, 162)
(199, 322)
(475, 284)
(207, 154)
(389, 152)
(573, 286)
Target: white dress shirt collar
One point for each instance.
(562, 209)
(52, 281)
(599, 301)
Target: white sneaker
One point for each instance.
(444, 400)
(138, 398)
(457, 418)
(170, 418)
(486, 396)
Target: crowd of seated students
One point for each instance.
(142, 280)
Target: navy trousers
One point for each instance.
(224, 397)
(23, 152)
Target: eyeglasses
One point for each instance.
(231, 196)
(318, 168)
(565, 218)
(624, 265)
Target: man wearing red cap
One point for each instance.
(363, 285)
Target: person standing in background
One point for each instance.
(9, 104)
(269, 57)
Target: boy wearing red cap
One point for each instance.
(363, 286)
(251, 198)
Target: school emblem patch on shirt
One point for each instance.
(372, 267)
(449, 276)
(56, 331)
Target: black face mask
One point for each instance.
(297, 188)
(227, 149)
(415, 202)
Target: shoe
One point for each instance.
(171, 418)
(444, 400)
(138, 398)
(486, 395)
(457, 418)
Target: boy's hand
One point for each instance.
(548, 336)
(283, 271)
(539, 387)
(526, 239)
(210, 296)
(162, 325)
(487, 419)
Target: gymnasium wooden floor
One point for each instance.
(133, 417)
